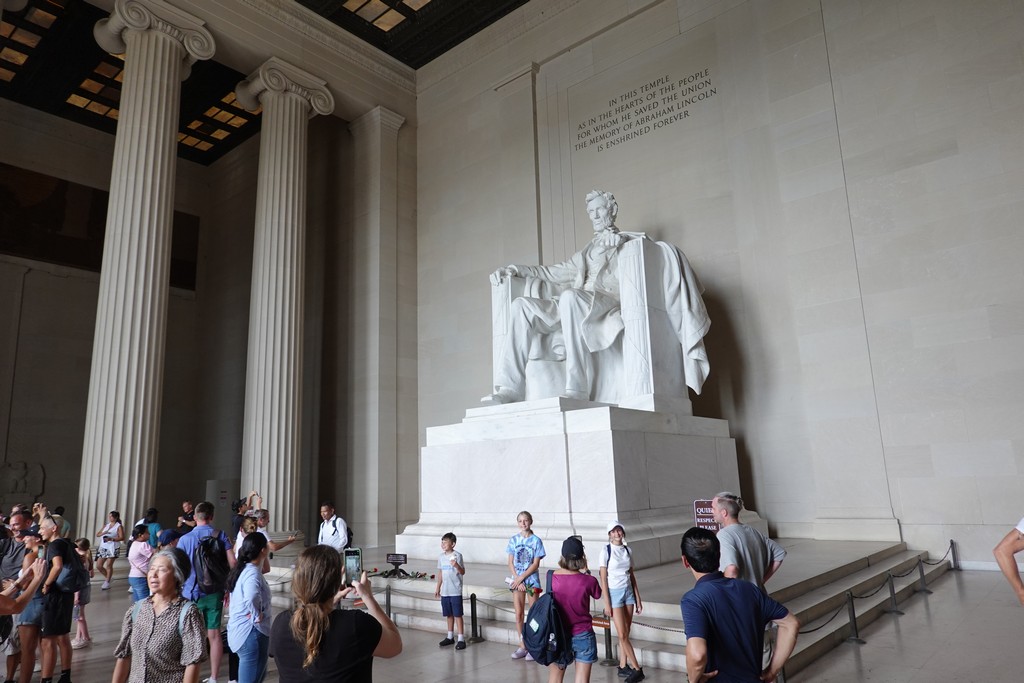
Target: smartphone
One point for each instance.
(353, 564)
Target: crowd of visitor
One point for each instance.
(185, 580)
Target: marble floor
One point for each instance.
(968, 629)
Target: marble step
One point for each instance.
(813, 645)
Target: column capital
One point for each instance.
(381, 117)
(155, 15)
(278, 76)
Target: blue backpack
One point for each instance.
(544, 634)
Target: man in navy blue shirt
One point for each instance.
(724, 620)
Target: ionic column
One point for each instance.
(159, 43)
(12, 5)
(273, 381)
(373, 499)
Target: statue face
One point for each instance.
(600, 214)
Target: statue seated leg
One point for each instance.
(532, 326)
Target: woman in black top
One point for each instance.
(315, 642)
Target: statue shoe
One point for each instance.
(576, 395)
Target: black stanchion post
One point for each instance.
(955, 555)
(854, 634)
(475, 634)
(387, 601)
(606, 624)
(893, 606)
(923, 587)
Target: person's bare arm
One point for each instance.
(696, 660)
(731, 572)
(38, 571)
(274, 546)
(532, 569)
(122, 668)
(785, 641)
(636, 592)
(56, 564)
(1005, 553)
(516, 582)
(390, 643)
(607, 594)
(191, 674)
(770, 572)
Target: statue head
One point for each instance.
(602, 209)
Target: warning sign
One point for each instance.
(704, 516)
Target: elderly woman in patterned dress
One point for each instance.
(163, 638)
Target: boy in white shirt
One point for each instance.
(449, 588)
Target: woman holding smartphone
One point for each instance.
(315, 642)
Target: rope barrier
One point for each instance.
(908, 573)
(872, 593)
(818, 628)
(943, 558)
(659, 628)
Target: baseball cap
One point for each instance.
(615, 523)
(168, 536)
(572, 547)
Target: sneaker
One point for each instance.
(446, 642)
(78, 644)
(105, 586)
(520, 653)
(637, 675)
(625, 671)
(461, 645)
(529, 657)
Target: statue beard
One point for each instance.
(609, 238)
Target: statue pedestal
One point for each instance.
(575, 465)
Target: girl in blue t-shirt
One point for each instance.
(525, 550)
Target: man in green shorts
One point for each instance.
(211, 606)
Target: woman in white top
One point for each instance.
(249, 615)
(621, 597)
(110, 537)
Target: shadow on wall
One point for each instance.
(723, 393)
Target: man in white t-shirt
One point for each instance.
(1005, 552)
(333, 530)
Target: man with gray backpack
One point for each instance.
(208, 549)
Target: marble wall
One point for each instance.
(845, 188)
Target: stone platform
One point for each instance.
(575, 465)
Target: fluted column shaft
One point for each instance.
(126, 380)
(273, 383)
(374, 326)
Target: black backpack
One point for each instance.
(73, 575)
(210, 563)
(544, 634)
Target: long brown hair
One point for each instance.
(316, 581)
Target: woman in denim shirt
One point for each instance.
(249, 619)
